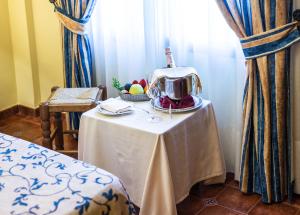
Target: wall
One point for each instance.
(48, 46)
(8, 90)
(35, 55)
(22, 49)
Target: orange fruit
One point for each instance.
(146, 89)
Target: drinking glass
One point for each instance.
(154, 93)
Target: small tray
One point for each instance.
(134, 98)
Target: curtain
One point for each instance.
(295, 91)
(266, 32)
(74, 16)
(295, 77)
(129, 37)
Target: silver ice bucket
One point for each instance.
(176, 88)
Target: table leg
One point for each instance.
(59, 139)
(45, 125)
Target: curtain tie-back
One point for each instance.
(270, 41)
(72, 24)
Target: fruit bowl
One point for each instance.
(135, 91)
(134, 98)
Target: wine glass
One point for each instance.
(153, 93)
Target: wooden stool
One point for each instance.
(46, 108)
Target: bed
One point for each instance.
(36, 180)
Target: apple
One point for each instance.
(136, 89)
(143, 83)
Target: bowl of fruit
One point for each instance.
(134, 91)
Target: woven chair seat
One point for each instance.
(74, 96)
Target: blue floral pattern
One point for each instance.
(36, 180)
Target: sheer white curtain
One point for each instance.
(129, 39)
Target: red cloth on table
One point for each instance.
(186, 102)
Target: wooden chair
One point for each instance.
(47, 109)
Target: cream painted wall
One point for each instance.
(21, 52)
(8, 90)
(48, 47)
(36, 50)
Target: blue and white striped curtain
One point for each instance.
(75, 15)
(266, 31)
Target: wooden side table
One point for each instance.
(46, 108)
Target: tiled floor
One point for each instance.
(224, 199)
(29, 128)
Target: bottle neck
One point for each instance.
(170, 59)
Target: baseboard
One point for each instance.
(9, 112)
(19, 109)
(29, 111)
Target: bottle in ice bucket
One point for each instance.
(169, 58)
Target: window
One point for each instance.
(129, 40)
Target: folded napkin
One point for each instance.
(115, 105)
(186, 102)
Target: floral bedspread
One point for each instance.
(36, 180)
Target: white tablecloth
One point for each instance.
(158, 162)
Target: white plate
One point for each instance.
(108, 113)
(156, 105)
